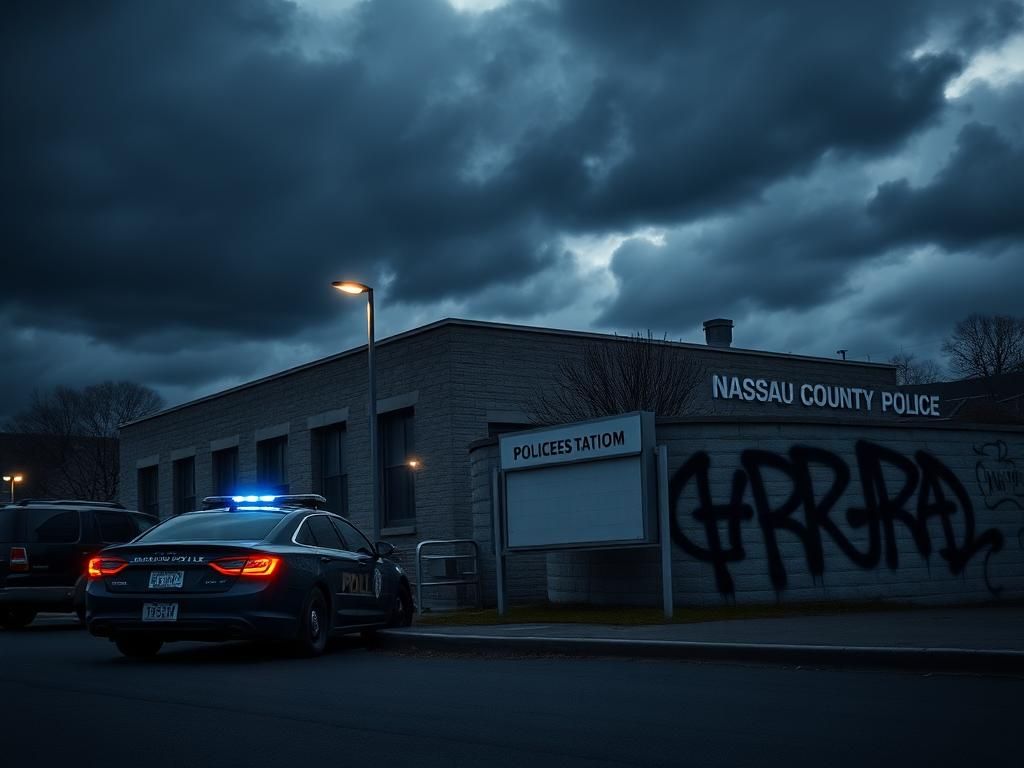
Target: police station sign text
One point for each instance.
(619, 436)
(834, 396)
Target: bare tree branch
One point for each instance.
(636, 373)
(986, 345)
(74, 433)
(909, 370)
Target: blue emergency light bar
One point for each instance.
(307, 500)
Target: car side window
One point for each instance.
(355, 540)
(324, 532)
(305, 535)
(53, 526)
(115, 527)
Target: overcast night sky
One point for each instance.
(182, 180)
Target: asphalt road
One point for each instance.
(68, 698)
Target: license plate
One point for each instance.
(159, 611)
(166, 579)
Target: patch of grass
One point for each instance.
(546, 613)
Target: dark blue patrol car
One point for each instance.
(277, 568)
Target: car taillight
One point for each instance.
(254, 565)
(19, 559)
(105, 566)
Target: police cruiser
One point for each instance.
(265, 567)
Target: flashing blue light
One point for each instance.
(239, 499)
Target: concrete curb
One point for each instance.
(919, 659)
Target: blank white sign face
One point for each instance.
(591, 502)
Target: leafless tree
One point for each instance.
(910, 370)
(986, 345)
(73, 433)
(635, 373)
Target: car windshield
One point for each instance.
(214, 526)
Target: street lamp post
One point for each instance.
(355, 289)
(12, 479)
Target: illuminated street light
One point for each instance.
(12, 479)
(353, 288)
(414, 463)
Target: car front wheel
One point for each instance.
(401, 612)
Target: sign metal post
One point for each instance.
(499, 540)
(663, 532)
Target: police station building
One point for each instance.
(790, 478)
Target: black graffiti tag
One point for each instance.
(733, 513)
(926, 489)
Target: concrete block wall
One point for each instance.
(926, 514)
(955, 537)
(460, 376)
(412, 371)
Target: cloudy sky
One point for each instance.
(182, 180)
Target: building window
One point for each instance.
(149, 491)
(225, 472)
(272, 465)
(396, 448)
(329, 479)
(184, 485)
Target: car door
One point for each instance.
(350, 574)
(375, 608)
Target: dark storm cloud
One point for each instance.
(186, 161)
(191, 175)
(978, 196)
(795, 255)
(765, 259)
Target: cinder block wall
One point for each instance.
(460, 377)
(411, 371)
(821, 511)
(927, 514)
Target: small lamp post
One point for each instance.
(355, 289)
(12, 479)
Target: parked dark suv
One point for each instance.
(45, 548)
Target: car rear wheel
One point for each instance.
(79, 600)
(139, 647)
(401, 612)
(314, 625)
(16, 617)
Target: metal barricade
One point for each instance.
(462, 577)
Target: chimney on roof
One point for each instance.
(718, 332)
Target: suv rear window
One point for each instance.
(45, 525)
(214, 526)
(8, 520)
(115, 527)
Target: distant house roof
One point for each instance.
(979, 396)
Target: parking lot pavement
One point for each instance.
(72, 698)
(985, 639)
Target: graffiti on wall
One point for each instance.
(926, 489)
(1000, 481)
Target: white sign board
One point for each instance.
(582, 484)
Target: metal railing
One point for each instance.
(461, 577)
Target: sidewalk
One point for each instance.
(959, 639)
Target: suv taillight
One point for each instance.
(19, 559)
